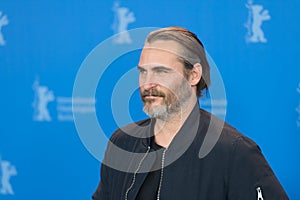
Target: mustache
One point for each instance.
(152, 92)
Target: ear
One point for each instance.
(195, 74)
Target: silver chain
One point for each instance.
(136, 171)
(161, 172)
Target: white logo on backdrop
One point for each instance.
(256, 16)
(298, 108)
(65, 106)
(7, 170)
(41, 99)
(3, 22)
(122, 18)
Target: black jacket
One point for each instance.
(234, 169)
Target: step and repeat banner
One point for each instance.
(61, 60)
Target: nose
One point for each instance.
(149, 86)
(147, 81)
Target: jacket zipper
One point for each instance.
(161, 172)
(134, 175)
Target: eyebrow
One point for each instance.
(156, 68)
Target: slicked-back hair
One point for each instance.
(191, 51)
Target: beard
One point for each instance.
(173, 101)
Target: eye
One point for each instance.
(142, 71)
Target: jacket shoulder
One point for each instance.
(226, 137)
(128, 135)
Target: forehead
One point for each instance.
(160, 52)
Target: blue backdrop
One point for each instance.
(254, 44)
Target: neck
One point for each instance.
(165, 130)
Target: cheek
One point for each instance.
(169, 83)
(173, 84)
(170, 94)
(142, 82)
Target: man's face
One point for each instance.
(164, 88)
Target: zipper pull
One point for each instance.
(259, 194)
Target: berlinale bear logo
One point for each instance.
(41, 99)
(298, 108)
(122, 18)
(6, 171)
(256, 17)
(3, 22)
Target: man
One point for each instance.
(160, 157)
